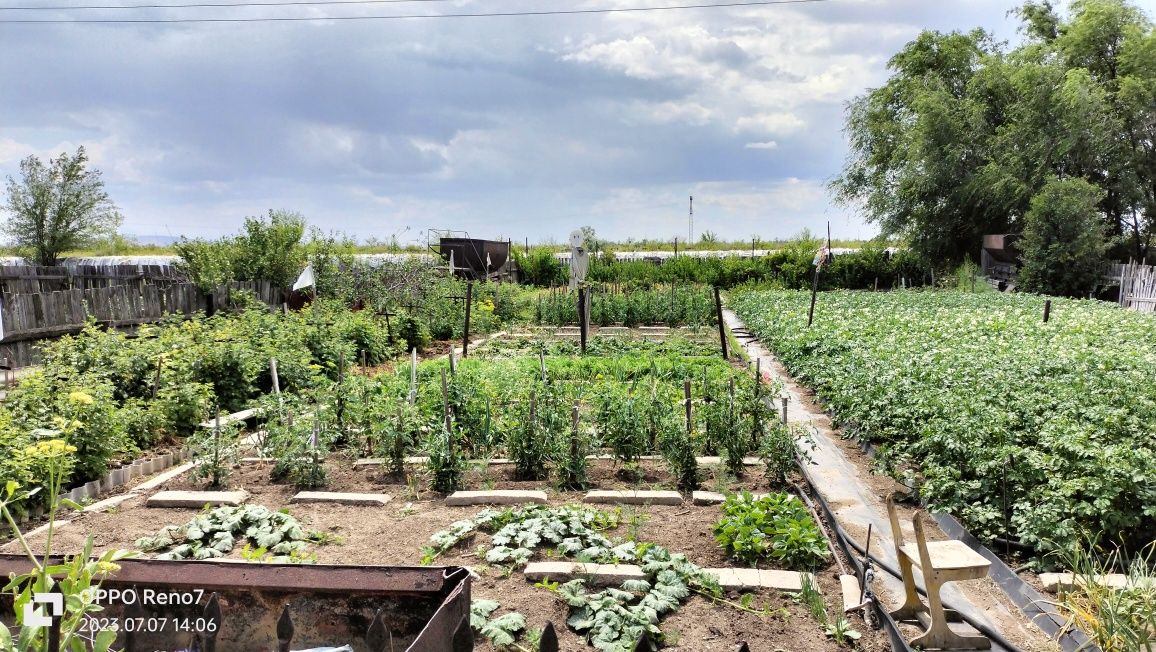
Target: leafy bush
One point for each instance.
(413, 332)
(1063, 246)
(82, 413)
(775, 527)
(540, 268)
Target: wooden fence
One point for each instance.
(30, 279)
(27, 319)
(1137, 286)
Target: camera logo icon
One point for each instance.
(32, 618)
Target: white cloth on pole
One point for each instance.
(305, 279)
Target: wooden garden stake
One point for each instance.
(217, 447)
(466, 336)
(1047, 310)
(784, 399)
(574, 432)
(582, 325)
(364, 364)
(542, 365)
(866, 566)
(814, 294)
(453, 363)
(157, 377)
(388, 326)
(722, 328)
(276, 378)
(689, 416)
(446, 400)
(413, 377)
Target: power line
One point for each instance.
(295, 19)
(195, 5)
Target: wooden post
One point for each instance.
(466, 336)
(364, 364)
(217, 446)
(582, 325)
(814, 292)
(413, 377)
(783, 398)
(722, 328)
(689, 415)
(157, 377)
(542, 365)
(276, 382)
(453, 363)
(446, 401)
(574, 448)
(1047, 310)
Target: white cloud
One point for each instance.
(520, 126)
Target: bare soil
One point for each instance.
(395, 534)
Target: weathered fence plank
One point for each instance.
(28, 318)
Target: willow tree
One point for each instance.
(963, 135)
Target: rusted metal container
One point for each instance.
(216, 606)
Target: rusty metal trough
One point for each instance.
(255, 607)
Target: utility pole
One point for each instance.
(690, 240)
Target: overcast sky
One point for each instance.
(511, 127)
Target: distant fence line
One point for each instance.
(29, 318)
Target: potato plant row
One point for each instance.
(984, 406)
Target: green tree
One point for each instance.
(207, 263)
(963, 135)
(919, 146)
(270, 248)
(1063, 243)
(57, 207)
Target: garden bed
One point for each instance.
(396, 533)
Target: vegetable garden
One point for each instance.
(1028, 431)
(1037, 432)
(656, 409)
